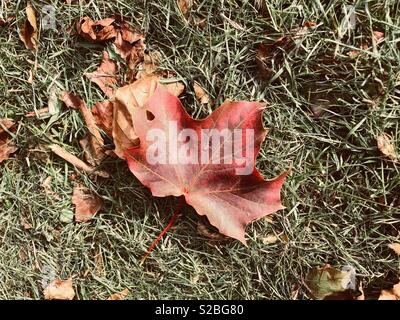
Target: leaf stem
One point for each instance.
(177, 211)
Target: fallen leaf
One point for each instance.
(230, 201)
(29, 32)
(103, 115)
(71, 100)
(105, 75)
(7, 146)
(87, 204)
(99, 262)
(200, 93)
(92, 143)
(47, 188)
(270, 239)
(184, 5)
(59, 290)
(6, 21)
(378, 36)
(75, 161)
(386, 146)
(395, 247)
(37, 113)
(126, 101)
(326, 281)
(270, 57)
(393, 294)
(119, 295)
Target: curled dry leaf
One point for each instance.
(126, 102)
(59, 290)
(386, 146)
(395, 247)
(7, 146)
(200, 93)
(75, 161)
(393, 294)
(326, 281)
(71, 100)
(87, 204)
(105, 75)
(29, 32)
(103, 115)
(119, 295)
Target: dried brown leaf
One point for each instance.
(59, 290)
(201, 94)
(103, 115)
(119, 295)
(393, 294)
(395, 247)
(386, 146)
(29, 31)
(75, 161)
(105, 75)
(7, 146)
(87, 204)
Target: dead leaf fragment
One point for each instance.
(201, 94)
(393, 294)
(71, 100)
(206, 231)
(59, 290)
(325, 281)
(29, 32)
(378, 36)
(395, 247)
(87, 204)
(105, 75)
(270, 239)
(386, 146)
(103, 115)
(75, 161)
(119, 295)
(184, 5)
(7, 146)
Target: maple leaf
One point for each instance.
(229, 201)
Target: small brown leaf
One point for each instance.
(78, 163)
(70, 100)
(105, 75)
(393, 294)
(119, 295)
(103, 115)
(87, 204)
(378, 36)
(395, 247)
(59, 290)
(270, 239)
(184, 5)
(386, 146)
(200, 93)
(29, 32)
(6, 21)
(7, 146)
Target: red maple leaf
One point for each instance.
(230, 201)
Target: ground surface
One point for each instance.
(342, 197)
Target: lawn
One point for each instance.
(326, 108)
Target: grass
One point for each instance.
(342, 198)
